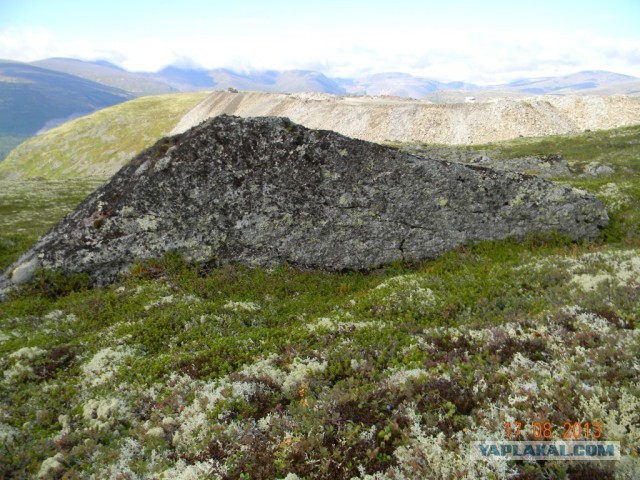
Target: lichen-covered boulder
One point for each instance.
(265, 191)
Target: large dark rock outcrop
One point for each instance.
(263, 191)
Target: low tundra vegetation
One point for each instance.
(183, 371)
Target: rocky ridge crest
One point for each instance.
(381, 119)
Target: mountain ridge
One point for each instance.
(108, 74)
(402, 84)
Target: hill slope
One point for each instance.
(381, 119)
(107, 74)
(34, 98)
(31, 98)
(99, 144)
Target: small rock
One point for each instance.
(24, 272)
(599, 170)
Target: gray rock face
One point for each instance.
(545, 166)
(263, 191)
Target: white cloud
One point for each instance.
(25, 44)
(475, 55)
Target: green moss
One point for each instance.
(98, 223)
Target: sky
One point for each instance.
(484, 42)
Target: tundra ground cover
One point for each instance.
(191, 371)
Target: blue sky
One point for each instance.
(480, 41)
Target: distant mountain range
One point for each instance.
(182, 79)
(108, 74)
(36, 96)
(576, 82)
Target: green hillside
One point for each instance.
(8, 143)
(100, 143)
(191, 371)
(33, 98)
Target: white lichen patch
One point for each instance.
(438, 459)
(65, 424)
(341, 322)
(131, 454)
(147, 222)
(590, 322)
(404, 292)
(613, 196)
(157, 432)
(17, 372)
(20, 364)
(265, 368)
(183, 471)
(158, 289)
(168, 300)
(104, 364)
(7, 434)
(24, 272)
(614, 268)
(299, 371)
(242, 306)
(57, 320)
(195, 427)
(102, 413)
(589, 283)
(289, 379)
(590, 271)
(400, 377)
(628, 271)
(622, 421)
(51, 467)
(54, 315)
(323, 323)
(27, 353)
(194, 423)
